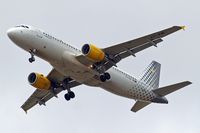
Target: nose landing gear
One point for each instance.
(32, 58)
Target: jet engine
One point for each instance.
(93, 53)
(39, 81)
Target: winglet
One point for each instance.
(183, 27)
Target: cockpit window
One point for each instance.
(24, 26)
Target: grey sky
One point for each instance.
(103, 23)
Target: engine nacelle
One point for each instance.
(93, 53)
(39, 81)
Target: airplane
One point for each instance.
(91, 66)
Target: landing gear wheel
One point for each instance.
(107, 76)
(71, 94)
(32, 52)
(103, 78)
(32, 59)
(67, 96)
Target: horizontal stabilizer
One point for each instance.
(139, 105)
(171, 88)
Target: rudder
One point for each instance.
(151, 75)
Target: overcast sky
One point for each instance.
(103, 23)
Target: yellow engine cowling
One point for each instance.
(93, 53)
(39, 81)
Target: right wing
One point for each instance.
(42, 96)
(120, 51)
(123, 50)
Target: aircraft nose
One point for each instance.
(15, 34)
(19, 36)
(11, 33)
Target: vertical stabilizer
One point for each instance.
(151, 75)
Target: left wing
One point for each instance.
(120, 51)
(42, 96)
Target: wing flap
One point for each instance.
(139, 48)
(142, 40)
(119, 57)
(33, 99)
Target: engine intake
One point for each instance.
(93, 53)
(39, 81)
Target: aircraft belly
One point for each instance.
(117, 84)
(120, 85)
(70, 67)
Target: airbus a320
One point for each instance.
(91, 66)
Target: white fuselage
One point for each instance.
(62, 57)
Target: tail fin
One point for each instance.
(151, 75)
(171, 88)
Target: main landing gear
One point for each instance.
(99, 68)
(104, 77)
(32, 58)
(70, 94)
